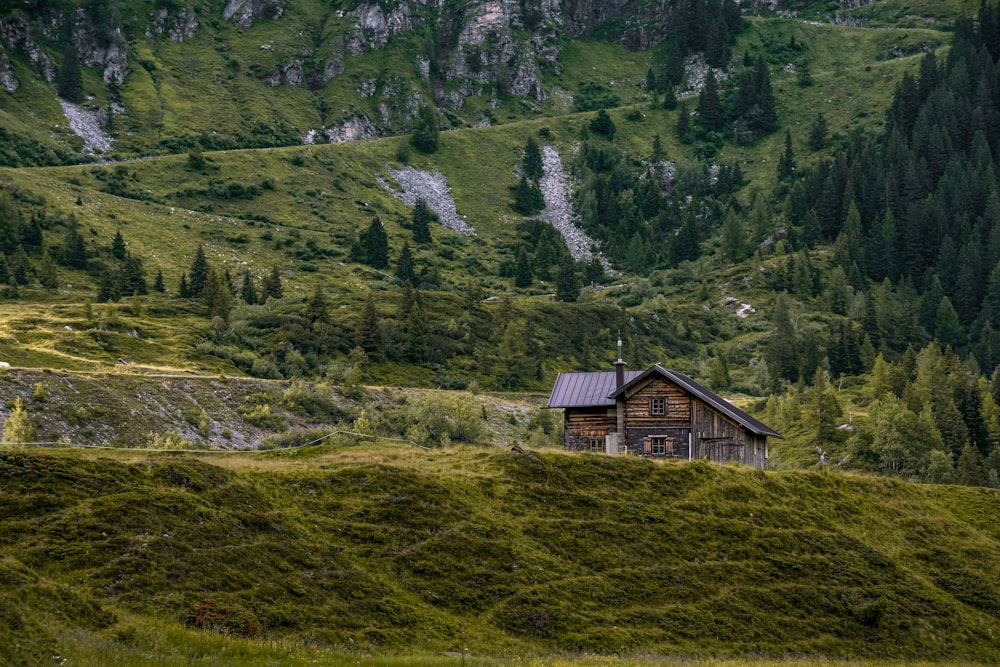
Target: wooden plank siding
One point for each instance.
(638, 402)
(585, 424)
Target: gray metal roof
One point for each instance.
(713, 399)
(586, 390)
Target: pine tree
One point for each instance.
(603, 125)
(74, 249)
(271, 287)
(197, 276)
(425, 130)
(733, 237)
(421, 222)
(417, 335)
(718, 377)
(70, 84)
(970, 469)
(404, 265)
(818, 132)
(683, 122)
(183, 289)
(567, 282)
(786, 163)
(317, 308)
(48, 277)
(118, 248)
(248, 292)
(368, 334)
(158, 284)
(522, 269)
(217, 296)
(709, 105)
(374, 246)
(532, 165)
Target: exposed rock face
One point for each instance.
(181, 28)
(16, 34)
(354, 129)
(242, 13)
(7, 77)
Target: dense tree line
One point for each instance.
(914, 216)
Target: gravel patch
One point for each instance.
(558, 210)
(87, 126)
(433, 189)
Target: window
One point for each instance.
(661, 445)
(596, 445)
(658, 406)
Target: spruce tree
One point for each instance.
(683, 122)
(567, 282)
(531, 164)
(118, 248)
(709, 105)
(70, 84)
(374, 247)
(74, 249)
(817, 134)
(368, 335)
(786, 163)
(183, 289)
(404, 265)
(158, 284)
(603, 125)
(47, 275)
(522, 269)
(248, 292)
(421, 222)
(425, 130)
(197, 275)
(271, 288)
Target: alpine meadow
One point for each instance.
(285, 286)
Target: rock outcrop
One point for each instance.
(242, 13)
(7, 76)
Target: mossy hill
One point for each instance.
(509, 553)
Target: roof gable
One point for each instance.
(586, 390)
(702, 393)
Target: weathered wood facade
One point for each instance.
(658, 413)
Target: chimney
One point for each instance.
(619, 367)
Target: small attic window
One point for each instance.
(657, 406)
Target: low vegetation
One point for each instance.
(507, 553)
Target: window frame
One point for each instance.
(663, 445)
(658, 406)
(596, 445)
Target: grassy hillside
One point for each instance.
(375, 550)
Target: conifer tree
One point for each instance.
(786, 163)
(970, 470)
(531, 164)
(567, 282)
(271, 287)
(425, 130)
(74, 248)
(248, 292)
(603, 125)
(70, 84)
(183, 289)
(421, 222)
(417, 335)
(404, 265)
(522, 269)
(709, 105)
(158, 284)
(818, 131)
(118, 248)
(373, 249)
(47, 275)
(368, 335)
(197, 276)
(683, 122)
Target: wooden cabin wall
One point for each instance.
(583, 424)
(637, 406)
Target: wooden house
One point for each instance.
(657, 413)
